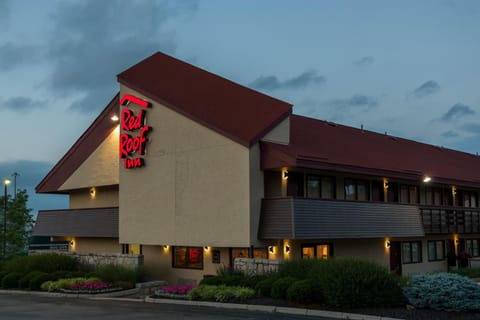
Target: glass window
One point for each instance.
(436, 250)
(412, 252)
(313, 187)
(239, 253)
(362, 190)
(260, 253)
(357, 190)
(318, 251)
(472, 247)
(188, 257)
(350, 190)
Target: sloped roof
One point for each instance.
(237, 112)
(81, 149)
(328, 146)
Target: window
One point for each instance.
(316, 251)
(260, 253)
(471, 245)
(132, 248)
(357, 190)
(436, 250)
(467, 199)
(320, 187)
(188, 257)
(408, 194)
(378, 193)
(434, 196)
(392, 192)
(412, 252)
(295, 184)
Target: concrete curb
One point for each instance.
(271, 309)
(248, 307)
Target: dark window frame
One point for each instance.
(314, 245)
(321, 179)
(409, 193)
(436, 258)
(478, 247)
(420, 253)
(356, 183)
(187, 254)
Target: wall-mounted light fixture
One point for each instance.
(114, 118)
(427, 179)
(206, 248)
(271, 249)
(93, 192)
(165, 247)
(388, 244)
(385, 183)
(72, 243)
(284, 174)
(454, 190)
(287, 249)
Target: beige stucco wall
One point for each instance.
(193, 189)
(256, 194)
(92, 245)
(158, 262)
(103, 197)
(99, 169)
(280, 134)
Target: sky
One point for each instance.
(408, 68)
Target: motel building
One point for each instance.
(197, 170)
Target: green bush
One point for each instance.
(354, 283)
(251, 282)
(220, 293)
(300, 291)
(119, 274)
(443, 291)
(212, 281)
(48, 263)
(24, 282)
(59, 274)
(299, 269)
(280, 287)
(468, 272)
(233, 280)
(264, 287)
(10, 281)
(64, 283)
(37, 280)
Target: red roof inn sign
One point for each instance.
(133, 137)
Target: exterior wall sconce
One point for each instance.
(206, 248)
(385, 183)
(114, 118)
(93, 193)
(454, 190)
(287, 249)
(271, 249)
(284, 174)
(165, 247)
(72, 243)
(427, 179)
(388, 244)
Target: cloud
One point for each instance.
(96, 40)
(450, 134)
(299, 82)
(22, 104)
(457, 111)
(428, 88)
(355, 101)
(365, 61)
(13, 55)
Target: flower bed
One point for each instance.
(175, 292)
(90, 287)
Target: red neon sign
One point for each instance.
(133, 122)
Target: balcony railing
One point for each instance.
(443, 220)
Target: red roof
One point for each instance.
(237, 112)
(328, 146)
(81, 150)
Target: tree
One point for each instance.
(19, 224)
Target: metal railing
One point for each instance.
(442, 220)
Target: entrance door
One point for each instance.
(396, 257)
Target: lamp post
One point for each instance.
(6, 182)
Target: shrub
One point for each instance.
(221, 293)
(37, 280)
(59, 275)
(300, 291)
(280, 287)
(299, 269)
(443, 291)
(251, 282)
(354, 283)
(119, 274)
(24, 281)
(468, 272)
(10, 281)
(48, 263)
(64, 283)
(264, 287)
(212, 281)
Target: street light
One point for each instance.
(6, 182)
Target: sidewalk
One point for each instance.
(116, 296)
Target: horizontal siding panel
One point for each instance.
(276, 219)
(94, 222)
(349, 219)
